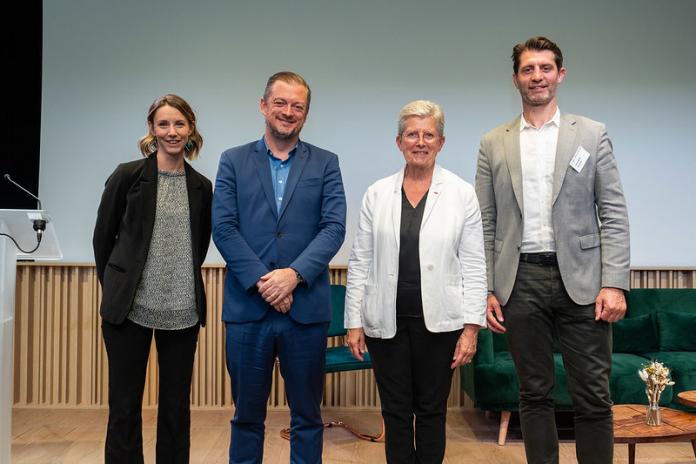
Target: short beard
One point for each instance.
(280, 135)
(529, 101)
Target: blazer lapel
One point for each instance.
(433, 195)
(264, 172)
(193, 187)
(298, 165)
(565, 149)
(148, 189)
(512, 156)
(396, 206)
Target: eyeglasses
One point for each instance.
(415, 136)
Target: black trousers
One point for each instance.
(539, 306)
(413, 378)
(128, 349)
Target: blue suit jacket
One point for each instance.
(255, 238)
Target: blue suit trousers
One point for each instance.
(252, 348)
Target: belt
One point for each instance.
(545, 259)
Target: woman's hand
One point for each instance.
(466, 346)
(356, 342)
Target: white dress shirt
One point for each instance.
(538, 158)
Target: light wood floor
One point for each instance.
(52, 436)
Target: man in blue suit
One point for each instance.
(278, 218)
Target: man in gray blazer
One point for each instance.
(557, 249)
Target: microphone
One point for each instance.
(38, 224)
(9, 179)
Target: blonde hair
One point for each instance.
(422, 109)
(148, 143)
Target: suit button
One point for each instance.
(429, 267)
(279, 234)
(272, 264)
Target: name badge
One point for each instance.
(579, 159)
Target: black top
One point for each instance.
(408, 287)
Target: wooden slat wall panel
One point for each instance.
(60, 359)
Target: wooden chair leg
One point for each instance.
(504, 423)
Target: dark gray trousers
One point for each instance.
(539, 306)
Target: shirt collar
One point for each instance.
(555, 120)
(270, 153)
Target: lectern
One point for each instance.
(18, 224)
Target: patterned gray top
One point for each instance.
(165, 297)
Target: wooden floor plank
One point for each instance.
(72, 436)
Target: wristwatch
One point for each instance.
(300, 279)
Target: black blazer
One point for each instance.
(123, 233)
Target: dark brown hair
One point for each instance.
(536, 43)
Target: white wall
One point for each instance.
(630, 64)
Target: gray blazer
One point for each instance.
(590, 221)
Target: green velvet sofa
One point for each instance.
(660, 324)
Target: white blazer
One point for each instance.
(452, 258)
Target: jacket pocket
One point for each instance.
(116, 267)
(589, 241)
(370, 310)
(310, 182)
(453, 296)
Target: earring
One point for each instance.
(153, 146)
(189, 145)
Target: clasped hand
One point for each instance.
(276, 288)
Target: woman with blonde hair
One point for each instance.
(150, 240)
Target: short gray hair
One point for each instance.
(422, 109)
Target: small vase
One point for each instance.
(653, 415)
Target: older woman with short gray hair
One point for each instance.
(416, 294)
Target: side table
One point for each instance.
(630, 427)
(687, 398)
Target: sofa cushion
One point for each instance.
(339, 359)
(496, 383)
(655, 300)
(682, 365)
(677, 331)
(626, 386)
(635, 335)
(484, 350)
(499, 342)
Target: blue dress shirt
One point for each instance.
(279, 172)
